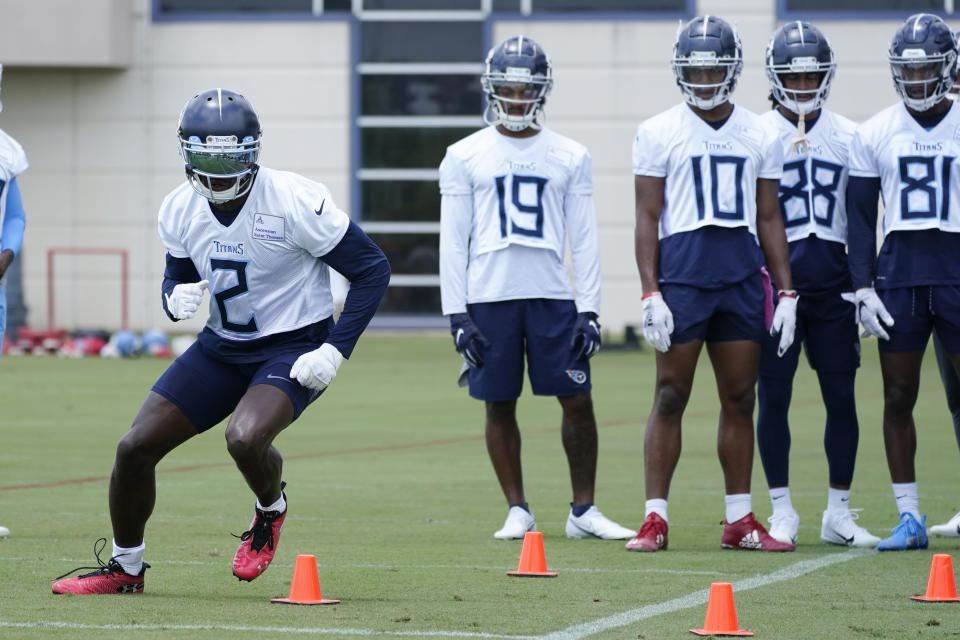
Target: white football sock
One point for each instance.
(657, 506)
(738, 505)
(130, 558)
(780, 499)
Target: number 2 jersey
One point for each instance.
(920, 188)
(509, 205)
(264, 274)
(812, 198)
(708, 225)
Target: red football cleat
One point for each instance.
(258, 544)
(108, 578)
(749, 535)
(652, 535)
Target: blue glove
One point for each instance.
(586, 335)
(468, 340)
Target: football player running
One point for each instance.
(262, 241)
(800, 68)
(513, 194)
(906, 154)
(706, 178)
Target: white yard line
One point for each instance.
(795, 570)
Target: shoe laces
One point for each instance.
(260, 533)
(104, 568)
(652, 525)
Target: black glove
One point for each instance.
(468, 340)
(586, 335)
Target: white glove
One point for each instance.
(870, 312)
(784, 322)
(185, 300)
(657, 321)
(316, 369)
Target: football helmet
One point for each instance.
(923, 61)
(800, 47)
(219, 135)
(707, 43)
(954, 90)
(521, 63)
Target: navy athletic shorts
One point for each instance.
(539, 329)
(918, 310)
(734, 312)
(207, 390)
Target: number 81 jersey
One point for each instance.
(915, 167)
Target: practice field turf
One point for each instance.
(389, 486)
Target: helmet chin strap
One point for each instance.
(799, 143)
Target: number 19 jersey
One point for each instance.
(527, 197)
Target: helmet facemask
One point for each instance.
(213, 164)
(791, 98)
(707, 44)
(517, 78)
(923, 80)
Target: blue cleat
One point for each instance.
(909, 534)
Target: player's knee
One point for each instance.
(132, 453)
(899, 398)
(242, 444)
(578, 408)
(740, 401)
(670, 400)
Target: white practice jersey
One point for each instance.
(509, 206)
(711, 175)
(915, 167)
(13, 162)
(263, 269)
(814, 184)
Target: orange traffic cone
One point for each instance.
(941, 586)
(533, 563)
(305, 587)
(721, 617)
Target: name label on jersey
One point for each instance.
(268, 228)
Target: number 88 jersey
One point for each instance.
(813, 188)
(915, 167)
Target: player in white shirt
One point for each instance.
(13, 162)
(706, 177)
(513, 193)
(263, 241)
(907, 153)
(800, 68)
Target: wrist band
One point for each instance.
(788, 293)
(647, 295)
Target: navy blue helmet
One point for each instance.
(219, 135)
(923, 61)
(800, 47)
(707, 43)
(518, 63)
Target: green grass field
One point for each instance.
(390, 487)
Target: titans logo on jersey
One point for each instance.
(260, 266)
(814, 183)
(916, 168)
(711, 175)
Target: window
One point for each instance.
(186, 7)
(421, 94)
(862, 8)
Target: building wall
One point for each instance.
(102, 147)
